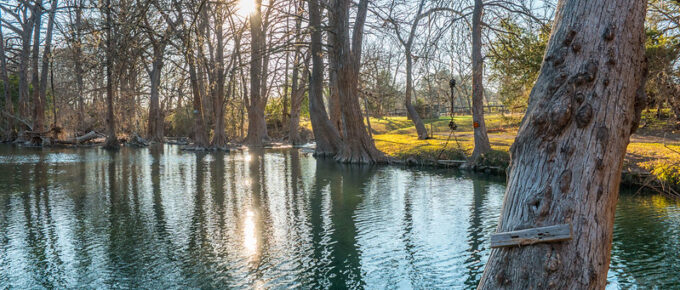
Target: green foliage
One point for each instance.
(180, 121)
(516, 62)
(13, 90)
(662, 56)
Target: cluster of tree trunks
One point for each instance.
(567, 158)
(355, 145)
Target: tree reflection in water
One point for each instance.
(159, 217)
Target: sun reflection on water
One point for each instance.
(249, 236)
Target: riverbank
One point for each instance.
(653, 158)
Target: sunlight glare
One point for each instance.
(249, 237)
(246, 7)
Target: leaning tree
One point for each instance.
(568, 155)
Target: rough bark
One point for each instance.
(334, 107)
(481, 138)
(326, 136)
(358, 147)
(155, 122)
(568, 155)
(111, 138)
(257, 126)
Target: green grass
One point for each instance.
(396, 136)
(650, 150)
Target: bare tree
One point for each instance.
(407, 44)
(482, 145)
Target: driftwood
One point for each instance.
(555, 233)
(177, 140)
(138, 141)
(80, 139)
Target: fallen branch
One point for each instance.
(81, 139)
(138, 141)
(29, 126)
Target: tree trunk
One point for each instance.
(200, 136)
(297, 96)
(408, 44)
(79, 66)
(297, 87)
(219, 133)
(47, 58)
(38, 104)
(155, 122)
(482, 145)
(111, 138)
(257, 126)
(358, 147)
(335, 110)
(411, 111)
(27, 27)
(333, 97)
(326, 136)
(9, 104)
(568, 155)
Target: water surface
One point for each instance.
(162, 218)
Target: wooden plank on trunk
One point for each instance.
(548, 234)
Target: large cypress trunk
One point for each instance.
(257, 126)
(481, 138)
(155, 125)
(326, 135)
(358, 146)
(567, 158)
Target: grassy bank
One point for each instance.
(653, 156)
